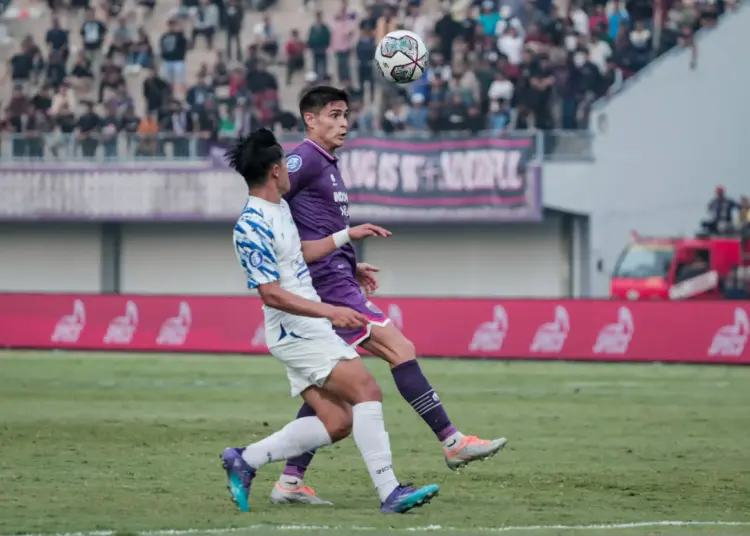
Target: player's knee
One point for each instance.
(407, 350)
(368, 390)
(342, 428)
(402, 351)
(338, 421)
(371, 391)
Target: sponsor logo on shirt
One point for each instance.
(293, 163)
(256, 258)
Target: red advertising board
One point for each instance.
(707, 332)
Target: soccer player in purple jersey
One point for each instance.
(320, 207)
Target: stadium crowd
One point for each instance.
(495, 65)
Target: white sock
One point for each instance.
(372, 441)
(452, 440)
(297, 437)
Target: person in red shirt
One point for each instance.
(295, 55)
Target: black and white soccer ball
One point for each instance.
(401, 57)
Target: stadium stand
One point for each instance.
(208, 69)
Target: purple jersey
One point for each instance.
(320, 207)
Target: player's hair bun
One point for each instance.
(263, 139)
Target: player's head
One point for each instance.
(259, 158)
(325, 111)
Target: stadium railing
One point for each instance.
(555, 145)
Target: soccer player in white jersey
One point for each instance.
(321, 367)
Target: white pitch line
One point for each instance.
(426, 528)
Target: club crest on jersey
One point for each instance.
(256, 258)
(293, 163)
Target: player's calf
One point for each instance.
(391, 345)
(351, 381)
(337, 418)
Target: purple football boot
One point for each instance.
(239, 477)
(407, 497)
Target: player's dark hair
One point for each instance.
(253, 156)
(316, 98)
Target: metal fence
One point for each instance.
(557, 145)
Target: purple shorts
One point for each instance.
(348, 294)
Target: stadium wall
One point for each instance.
(524, 259)
(661, 147)
(603, 330)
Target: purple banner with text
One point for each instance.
(471, 179)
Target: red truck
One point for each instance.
(703, 267)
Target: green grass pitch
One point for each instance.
(130, 444)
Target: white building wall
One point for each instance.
(50, 257)
(512, 260)
(670, 138)
(179, 258)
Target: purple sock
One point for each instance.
(296, 467)
(418, 392)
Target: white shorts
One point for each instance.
(309, 362)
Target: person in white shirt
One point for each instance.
(501, 88)
(321, 366)
(599, 52)
(510, 45)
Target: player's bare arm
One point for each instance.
(314, 250)
(276, 297)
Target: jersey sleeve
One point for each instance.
(301, 174)
(254, 244)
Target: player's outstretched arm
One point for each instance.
(313, 250)
(276, 297)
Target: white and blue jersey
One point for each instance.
(268, 247)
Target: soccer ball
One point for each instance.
(401, 57)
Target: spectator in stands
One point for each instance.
(111, 80)
(234, 23)
(148, 131)
(174, 48)
(89, 127)
(42, 100)
(140, 52)
(417, 115)
(176, 127)
(267, 39)
(82, 74)
(364, 52)
(294, 49)
(110, 129)
(21, 66)
(93, 32)
(208, 126)
(198, 94)
(343, 39)
(65, 98)
(155, 91)
(206, 19)
(318, 41)
(387, 23)
(56, 69)
(57, 39)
